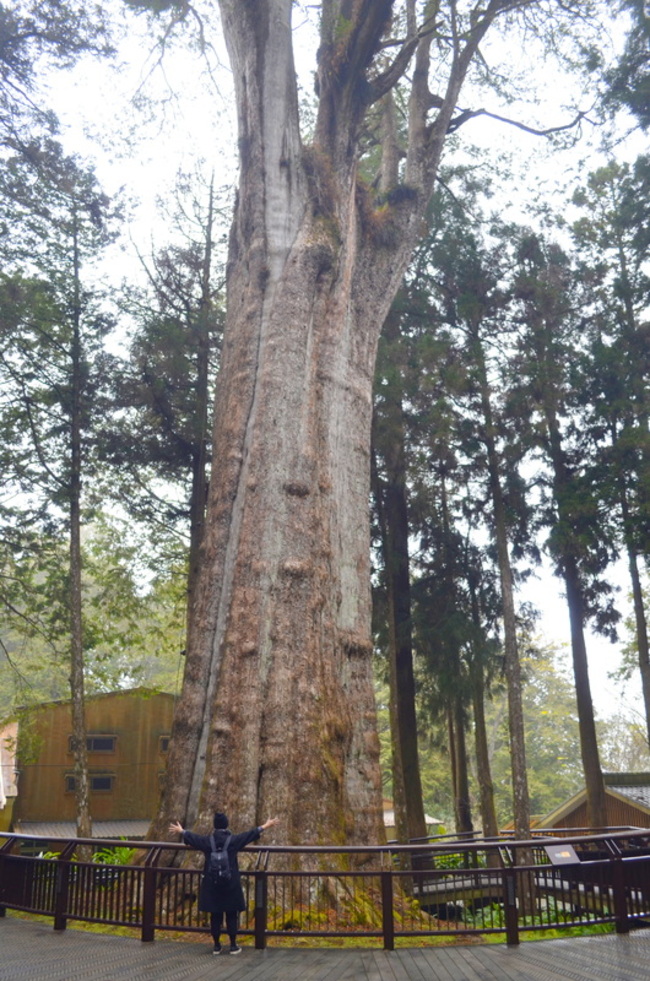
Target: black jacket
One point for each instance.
(221, 899)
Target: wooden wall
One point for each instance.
(138, 719)
(619, 813)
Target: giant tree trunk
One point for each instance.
(277, 709)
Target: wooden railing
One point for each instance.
(435, 888)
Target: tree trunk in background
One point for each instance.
(595, 787)
(640, 621)
(78, 712)
(641, 630)
(390, 492)
(462, 803)
(521, 800)
(483, 771)
(596, 801)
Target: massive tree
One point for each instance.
(277, 709)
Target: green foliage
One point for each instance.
(119, 855)
(133, 636)
(552, 739)
(629, 80)
(34, 35)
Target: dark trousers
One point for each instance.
(232, 923)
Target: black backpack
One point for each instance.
(218, 869)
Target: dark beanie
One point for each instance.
(220, 821)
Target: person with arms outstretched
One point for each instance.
(222, 898)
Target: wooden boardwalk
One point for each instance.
(31, 951)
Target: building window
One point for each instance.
(97, 744)
(164, 744)
(100, 783)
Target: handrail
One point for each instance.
(475, 845)
(610, 884)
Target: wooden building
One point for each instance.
(127, 738)
(627, 801)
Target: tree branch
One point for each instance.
(389, 78)
(467, 114)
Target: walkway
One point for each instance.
(34, 952)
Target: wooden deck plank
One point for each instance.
(424, 964)
(371, 966)
(31, 951)
(431, 962)
(488, 967)
(581, 960)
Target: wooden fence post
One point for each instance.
(618, 894)
(149, 896)
(62, 887)
(510, 906)
(261, 908)
(387, 918)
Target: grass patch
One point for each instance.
(316, 943)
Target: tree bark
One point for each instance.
(640, 620)
(78, 713)
(641, 629)
(484, 774)
(462, 798)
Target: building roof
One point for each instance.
(68, 829)
(634, 788)
(141, 691)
